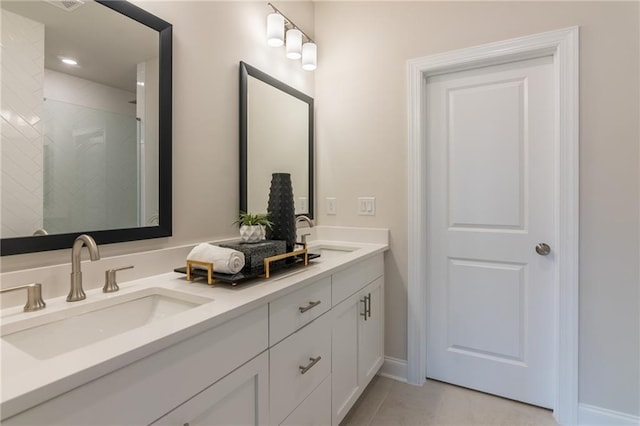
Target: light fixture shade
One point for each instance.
(294, 44)
(275, 30)
(309, 56)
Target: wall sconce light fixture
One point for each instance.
(298, 44)
(275, 30)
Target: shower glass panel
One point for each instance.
(91, 176)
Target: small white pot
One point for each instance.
(252, 233)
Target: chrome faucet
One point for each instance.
(76, 293)
(303, 218)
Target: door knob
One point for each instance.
(543, 249)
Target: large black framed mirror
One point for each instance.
(276, 136)
(92, 153)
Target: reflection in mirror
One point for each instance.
(276, 136)
(86, 124)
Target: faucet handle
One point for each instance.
(34, 296)
(110, 284)
(303, 237)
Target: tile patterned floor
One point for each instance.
(387, 402)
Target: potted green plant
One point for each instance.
(253, 226)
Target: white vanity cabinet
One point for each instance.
(357, 335)
(146, 390)
(302, 357)
(341, 348)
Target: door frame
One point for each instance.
(562, 45)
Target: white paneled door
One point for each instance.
(491, 282)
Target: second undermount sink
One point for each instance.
(331, 251)
(53, 334)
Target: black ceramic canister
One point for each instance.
(281, 208)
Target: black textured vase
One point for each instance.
(281, 210)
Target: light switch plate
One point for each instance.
(366, 206)
(332, 205)
(303, 205)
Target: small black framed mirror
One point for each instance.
(276, 136)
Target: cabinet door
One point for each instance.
(241, 398)
(371, 332)
(345, 387)
(357, 346)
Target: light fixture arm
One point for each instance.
(290, 22)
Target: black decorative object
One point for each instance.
(281, 210)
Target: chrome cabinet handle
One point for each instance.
(364, 302)
(543, 249)
(304, 309)
(369, 305)
(313, 361)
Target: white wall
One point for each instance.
(362, 115)
(22, 141)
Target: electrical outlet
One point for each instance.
(367, 206)
(332, 205)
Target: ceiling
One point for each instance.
(107, 45)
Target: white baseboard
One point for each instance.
(393, 368)
(592, 415)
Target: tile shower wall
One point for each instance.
(39, 177)
(22, 143)
(91, 155)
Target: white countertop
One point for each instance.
(27, 381)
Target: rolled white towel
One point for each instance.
(225, 260)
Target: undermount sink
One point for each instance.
(53, 334)
(331, 251)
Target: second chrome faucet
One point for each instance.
(77, 293)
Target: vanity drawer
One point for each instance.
(289, 384)
(293, 311)
(346, 282)
(315, 410)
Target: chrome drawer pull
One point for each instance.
(305, 368)
(304, 309)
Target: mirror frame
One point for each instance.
(32, 244)
(247, 70)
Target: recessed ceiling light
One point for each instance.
(69, 61)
